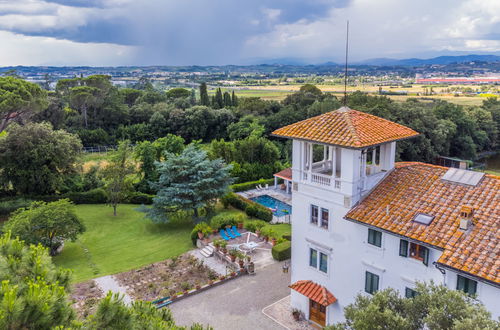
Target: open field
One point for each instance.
(279, 92)
(120, 243)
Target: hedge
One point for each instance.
(94, 196)
(140, 198)
(251, 184)
(251, 208)
(282, 251)
(8, 206)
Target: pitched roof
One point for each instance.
(413, 188)
(314, 291)
(348, 128)
(285, 174)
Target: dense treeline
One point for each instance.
(234, 129)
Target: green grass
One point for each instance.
(279, 229)
(95, 156)
(120, 243)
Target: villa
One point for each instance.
(362, 222)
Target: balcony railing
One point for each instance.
(322, 179)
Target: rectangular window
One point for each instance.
(466, 285)
(313, 258)
(419, 252)
(323, 262)
(324, 218)
(410, 293)
(314, 214)
(371, 283)
(403, 248)
(374, 237)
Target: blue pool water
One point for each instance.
(278, 207)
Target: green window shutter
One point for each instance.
(374, 237)
(466, 285)
(323, 262)
(461, 283)
(313, 258)
(426, 256)
(403, 248)
(410, 293)
(378, 239)
(371, 282)
(472, 287)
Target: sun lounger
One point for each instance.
(235, 231)
(267, 186)
(229, 233)
(258, 187)
(222, 233)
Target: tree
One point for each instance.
(218, 102)
(33, 290)
(309, 88)
(34, 296)
(35, 158)
(234, 99)
(176, 93)
(19, 99)
(188, 182)
(204, 100)
(116, 173)
(82, 98)
(434, 307)
(227, 100)
(49, 224)
(247, 126)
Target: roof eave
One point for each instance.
(344, 146)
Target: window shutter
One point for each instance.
(368, 282)
(426, 256)
(403, 248)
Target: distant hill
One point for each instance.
(436, 60)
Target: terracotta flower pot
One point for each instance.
(241, 263)
(200, 235)
(257, 232)
(273, 241)
(240, 225)
(266, 239)
(233, 258)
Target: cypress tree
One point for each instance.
(204, 100)
(219, 101)
(227, 99)
(234, 100)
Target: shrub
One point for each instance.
(250, 185)
(140, 198)
(222, 220)
(287, 236)
(201, 227)
(94, 196)
(8, 206)
(254, 225)
(250, 207)
(282, 251)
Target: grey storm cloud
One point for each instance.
(238, 31)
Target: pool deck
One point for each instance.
(277, 193)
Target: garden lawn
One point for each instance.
(121, 243)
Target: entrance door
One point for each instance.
(317, 313)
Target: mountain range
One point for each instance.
(430, 61)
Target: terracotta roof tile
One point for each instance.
(285, 174)
(417, 188)
(315, 292)
(348, 128)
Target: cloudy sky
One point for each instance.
(185, 32)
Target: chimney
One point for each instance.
(465, 219)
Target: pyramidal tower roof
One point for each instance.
(346, 128)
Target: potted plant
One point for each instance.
(200, 234)
(233, 253)
(223, 245)
(296, 314)
(222, 278)
(249, 258)
(241, 259)
(217, 244)
(198, 286)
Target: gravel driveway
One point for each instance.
(237, 304)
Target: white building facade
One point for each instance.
(347, 257)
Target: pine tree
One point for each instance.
(188, 182)
(234, 100)
(227, 99)
(204, 100)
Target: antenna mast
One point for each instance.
(346, 54)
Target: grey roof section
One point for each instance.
(460, 176)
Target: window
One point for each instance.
(323, 262)
(415, 251)
(314, 214)
(314, 255)
(410, 293)
(466, 285)
(313, 258)
(403, 248)
(324, 218)
(371, 283)
(419, 252)
(374, 237)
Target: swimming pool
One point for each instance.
(278, 207)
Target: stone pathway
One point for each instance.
(281, 313)
(108, 283)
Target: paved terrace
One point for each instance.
(237, 304)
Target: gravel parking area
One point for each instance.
(237, 304)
